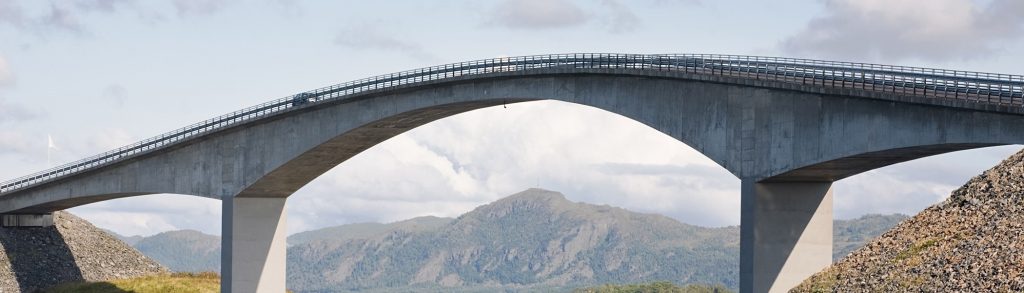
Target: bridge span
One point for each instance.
(788, 128)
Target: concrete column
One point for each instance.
(253, 247)
(785, 234)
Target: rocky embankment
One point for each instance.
(72, 250)
(972, 242)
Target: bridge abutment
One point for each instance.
(253, 242)
(26, 220)
(786, 234)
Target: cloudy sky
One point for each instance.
(99, 74)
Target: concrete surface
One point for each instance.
(761, 131)
(253, 245)
(785, 234)
(26, 220)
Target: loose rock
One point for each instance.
(972, 242)
(72, 250)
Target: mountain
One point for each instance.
(848, 235)
(168, 248)
(531, 240)
(130, 240)
(971, 242)
(369, 230)
(72, 250)
(534, 239)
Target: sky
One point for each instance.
(99, 74)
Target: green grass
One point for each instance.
(915, 249)
(656, 287)
(173, 283)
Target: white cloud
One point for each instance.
(537, 14)
(76, 146)
(72, 16)
(198, 7)
(614, 16)
(151, 214)
(451, 166)
(620, 18)
(116, 94)
(13, 139)
(447, 167)
(11, 14)
(913, 186)
(107, 139)
(938, 30)
(370, 38)
(14, 142)
(12, 113)
(6, 76)
(61, 15)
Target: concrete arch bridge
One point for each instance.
(788, 128)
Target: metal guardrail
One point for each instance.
(987, 88)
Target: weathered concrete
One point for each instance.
(253, 245)
(26, 220)
(786, 234)
(756, 131)
(761, 131)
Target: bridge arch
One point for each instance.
(757, 132)
(767, 121)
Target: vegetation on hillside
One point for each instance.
(534, 241)
(848, 235)
(363, 231)
(170, 249)
(656, 287)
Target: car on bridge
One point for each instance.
(302, 99)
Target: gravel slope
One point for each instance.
(72, 250)
(972, 242)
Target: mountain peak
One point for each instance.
(537, 194)
(530, 200)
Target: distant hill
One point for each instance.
(130, 240)
(848, 235)
(533, 239)
(369, 230)
(971, 242)
(183, 251)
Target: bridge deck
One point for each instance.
(1005, 92)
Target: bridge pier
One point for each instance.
(785, 234)
(253, 244)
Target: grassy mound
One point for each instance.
(656, 287)
(173, 283)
